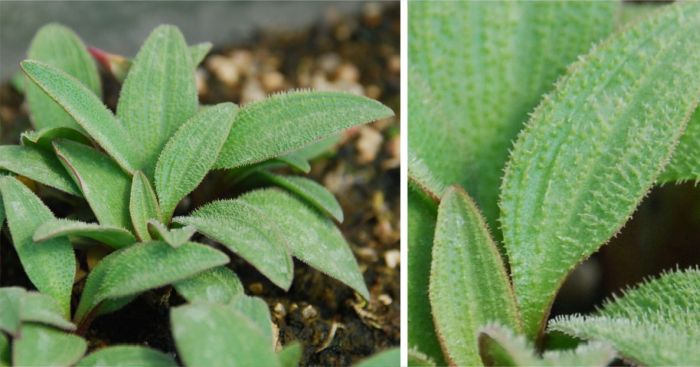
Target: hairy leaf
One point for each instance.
(142, 267)
(44, 138)
(112, 236)
(174, 237)
(5, 357)
(43, 346)
(295, 161)
(127, 355)
(198, 52)
(466, 263)
(218, 285)
(616, 118)
(477, 69)
(257, 311)
(286, 122)
(159, 93)
(38, 165)
(19, 306)
(418, 359)
(11, 304)
(313, 193)
(250, 233)
(685, 164)
(59, 47)
(312, 238)
(51, 265)
(500, 347)
(190, 154)
(208, 334)
(422, 215)
(290, 355)
(390, 357)
(88, 111)
(143, 205)
(105, 187)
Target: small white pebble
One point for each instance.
(392, 258)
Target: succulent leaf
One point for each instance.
(257, 311)
(174, 237)
(115, 237)
(296, 161)
(38, 165)
(217, 285)
(19, 306)
(44, 138)
(43, 346)
(143, 205)
(313, 193)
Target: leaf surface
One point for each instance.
(290, 355)
(313, 193)
(50, 266)
(88, 111)
(685, 163)
(390, 357)
(250, 233)
(208, 334)
(174, 237)
(43, 346)
(467, 263)
(159, 93)
(616, 118)
(190, 154)
(60, 47)
(199, 51)
(287, 122)
(143, 205)
(256, 310)
(44, 138)
(295, 161)
(5, 354)
(38, 165)
(115, 237)
(312, 238)
(105, 187)
(217, 285)
(127, 355)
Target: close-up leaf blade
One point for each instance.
(115, 237)
(685, 163)
(143, 205)
(38, 165)
(312, 192)
(127, 355)
(43, 346)
(217, 285)
(174, 237)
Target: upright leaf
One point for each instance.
(477, 69)
(190, 154)
(295, 161)
(469, 286)
(51, 265)
(593, 149)
(112, 236)
(217, 285)
(105, 187)
(59, 47)
(88, 111)
(43, 346)
(38, 165)
(312, 238)
(159, 93)
(127, 355)
(685, 163)
(286, 122)
(250, 233)
(313, 193)
(209, 334)
(143, 205)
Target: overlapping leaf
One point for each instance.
(44, 138)
(127, 355)
(218, 285)
(143, 205)
(685, 164)
(115, 237)
(313, 193)
(19, 306)
(38, 165)
(616, 118)
(256, 310)
(174, 237)
(43, 346)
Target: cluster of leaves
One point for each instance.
(133, 169)
(621, 118)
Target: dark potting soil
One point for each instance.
(359, 54)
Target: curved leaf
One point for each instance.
(51, 265)
(248, 232)
(685, 163)
(59, 47)
(313, 193)
(159, 93)
(198, 52)
(602, 121)
(174, 237)
(112, 236)
(38, 165)
(312, 238)
(286, 122)
(257, 311)
(105, 187)
(290, 355)
(218, 285)
(44, 138)
(143, 205)
(127, 355)
(19, 306)
(88, 111)
(43, 346)
(190, 154)
(466, 263)
(390, 357)
(218, 335)
(295, 161)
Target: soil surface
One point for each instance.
(335, 326)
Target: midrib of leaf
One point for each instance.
(545, 203)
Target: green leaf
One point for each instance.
(218, 335)
(38, 165)
(143, 205)
(60, 47)
(477, 70)
(11, 304)
(19, 306)
(145, 266)
(312, 238)
(500, 347)
(616, 118)
(174, 237)
(218, 285)
(422, 215)
(295, 161)
(43, 346)
(418, 359)
(5, 357)
(88, 111)
(287, 122)
(248, 232)
(127, 355)
(159, 93)
(112, 236)
(190, 154)
(44, 138)
(105, 187)
(390, 357)
(654, 324)
(685, 163)
(256, 310)
(51, 265)
(290, 355)
(467, 263)
(199, 51)
(313, 193)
